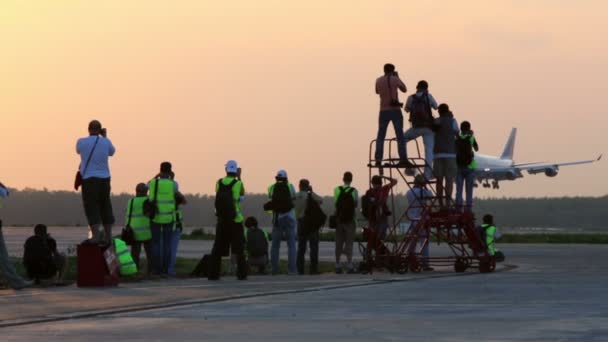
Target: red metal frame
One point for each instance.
(402, 253)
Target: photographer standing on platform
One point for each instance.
(94, 152)
(390, 110)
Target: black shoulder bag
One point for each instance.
(78, 178)
(127, 234)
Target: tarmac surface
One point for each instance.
(541, 293)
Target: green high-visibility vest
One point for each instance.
(139, 223)
(471, 138)
(165, 200)
(490, 232)
(125, 260)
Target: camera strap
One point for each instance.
(90, 155)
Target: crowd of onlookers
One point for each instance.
(154, 219)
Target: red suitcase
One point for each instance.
(92, 266)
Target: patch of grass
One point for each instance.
(555, 238)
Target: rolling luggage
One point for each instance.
(97, 266)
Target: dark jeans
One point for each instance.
(96, 201)
(386, 116)
(136, 252)
(161, 247)
(465, 179)
(229, 236)
(310, 236)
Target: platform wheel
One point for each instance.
(401, 266)
(414, 264)
(487, 265)
(364, 267)
(460, 265)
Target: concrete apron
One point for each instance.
(32, 306)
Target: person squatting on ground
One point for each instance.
(43, 262)
(229, 235)
(390, 111)
(140, 225)
(308, 233)
(346, 200)
(418, 198)
(94, 152)
(419, 106)
(375, 208)
(489, 234)
(7, 269)
(465, 158)
(256, 241)
(282, 195)
(444, 164)
(164, 193)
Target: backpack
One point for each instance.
(420, 111)
(314, 216)
(224, 201)
(345, 205)
(464, 151)
(281, 198)
(257, 244)
(368, 205)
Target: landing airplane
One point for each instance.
(495, 169)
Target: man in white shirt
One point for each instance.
(418, 197)
(94, 152)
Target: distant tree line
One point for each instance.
(64, 208)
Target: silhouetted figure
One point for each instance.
(42, 260)
(390, 111)
(94, 152)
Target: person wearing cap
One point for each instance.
(444, 163)
(163, 191)
(94, 152)
(418, 198)
(282, 195)
(307, 234)
(140, 225)
(229, 235)
(424, 101)
(7, 268)
(378, 210)
(346, 202)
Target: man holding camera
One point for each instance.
(94, 152)
(390, 111)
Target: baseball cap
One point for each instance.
(232, 166)
(282, 174)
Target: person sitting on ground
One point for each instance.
(43, 262)
(465, 158)
(7, 269)
(308, 230)
(256, 241)
(444, 164)
(375, 205)
(418, 197)
(140, 224)
(489, 234)
(420, 106)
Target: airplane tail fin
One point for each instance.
(507, 153)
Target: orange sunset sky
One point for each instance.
(290, 84)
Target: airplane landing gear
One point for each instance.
(495, 185)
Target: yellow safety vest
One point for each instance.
(125, 260)
(165, 200)
(139, 223)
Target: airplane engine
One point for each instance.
(550, 172)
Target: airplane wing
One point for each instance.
(551, 169)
